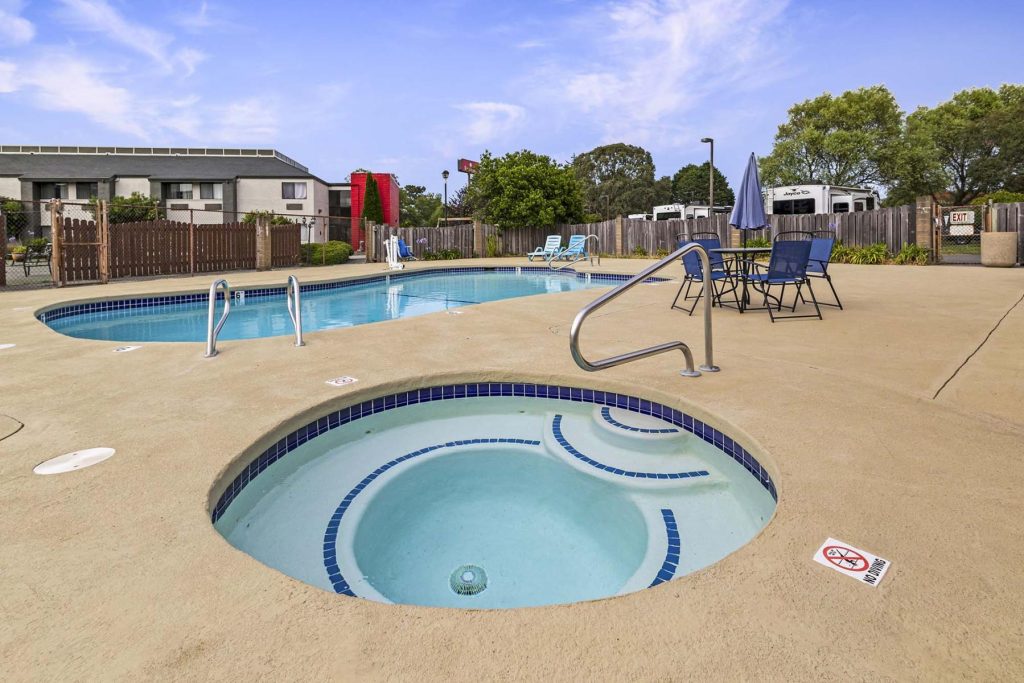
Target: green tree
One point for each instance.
(130, 209)
(971, 145)
(852, 139)
(663, 193)
(418, 207)
(690, 184)
(373, 209)
(616, 179)
(999, 197)
(525, 189)
(17, 219)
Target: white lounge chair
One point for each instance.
(551, 247)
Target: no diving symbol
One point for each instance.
(845, 558)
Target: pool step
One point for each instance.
(635, 431)
(575, 439)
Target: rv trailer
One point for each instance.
(804, 199)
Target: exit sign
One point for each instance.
(961, 218)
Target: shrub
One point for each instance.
(17, 220)
(871, 255)
(762, 242)
(19, 249)
(37, 244)
(275, 219)
(442, 255)
(330, 253)
(912, 254)
(842, 253)
(662, 252)
(999, 197)
(135, 207)
(639, 251)
(492, 246)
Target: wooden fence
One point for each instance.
(422, 240)
(162, 247)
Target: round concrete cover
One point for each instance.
(76, 460)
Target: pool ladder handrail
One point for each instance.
(597, 240)
(211, 330)
(603, 364)
(295, 307)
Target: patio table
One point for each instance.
(742, 255)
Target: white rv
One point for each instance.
(800, 199)
(640, 217)
(674, 212)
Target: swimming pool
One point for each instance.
(261, 312)
(495, 495)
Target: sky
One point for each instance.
(409, 87)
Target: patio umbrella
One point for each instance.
(748, 212)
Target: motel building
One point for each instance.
(212, 185)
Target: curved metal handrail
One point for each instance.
(211, 330)
(593, 366)
(295, 308)
(579, 257)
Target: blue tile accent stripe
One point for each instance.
(668, 567)
(606, 413)
(331, 533)
(556, 428)
(290, 442)
(257, 292)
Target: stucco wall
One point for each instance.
(264, 194)
(10, 187)
(125, 186)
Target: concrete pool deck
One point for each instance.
(115, 572)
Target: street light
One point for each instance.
(711, 177)
(444, 175)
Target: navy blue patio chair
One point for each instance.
(787, 266)
(822, 243)
(722, 281)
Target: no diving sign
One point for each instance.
(854, 562)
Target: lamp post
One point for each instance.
(711, 177)
(444, 175)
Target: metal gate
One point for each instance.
(958, 232)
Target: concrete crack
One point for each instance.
(983, 342)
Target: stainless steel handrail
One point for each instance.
(211, 331)
(295, 308)
(593, 366)
(551, 261)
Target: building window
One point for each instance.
(668, 216)
(86, 190)
(871, 203)
(179, 191)
(211, 190)
(293, 190)
(53, 191)
(840, 207)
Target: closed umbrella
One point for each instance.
(748, 212)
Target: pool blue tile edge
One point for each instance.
(668, 567)
(331, 533)
(606, 415)
(556, 429)
(59, 312)
(287, 444)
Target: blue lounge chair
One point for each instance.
(787, 266)
(551, 247)
(575, 250)
(721, 278)
(404, 252)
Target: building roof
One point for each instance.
(157, 163)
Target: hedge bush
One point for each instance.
(331, 253)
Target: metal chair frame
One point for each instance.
(822, 264)
(720, 273)
(776, 275)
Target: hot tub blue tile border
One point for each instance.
(671, 563)
(111, 305)
(335, 419)
(606, 415)
(334, 574)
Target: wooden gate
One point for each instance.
(80, 235)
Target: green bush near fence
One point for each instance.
(17, 219)
(912, 255)
(330, 253)
(442, 255)
(272, 218)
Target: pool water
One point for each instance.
(264, 313)
(496, 502)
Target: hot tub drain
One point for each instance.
(468, 579)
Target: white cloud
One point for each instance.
(15, 29)
(489, 121)
(529, 44)
(8, 77)
(254, 119)
(100, 17)
(646, 63)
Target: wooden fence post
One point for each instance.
(370, 241)
(3, 250)
(103, 233)
(57, 235)
(191, 242)
(478, 239)
(619, 244)
(264, 256)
